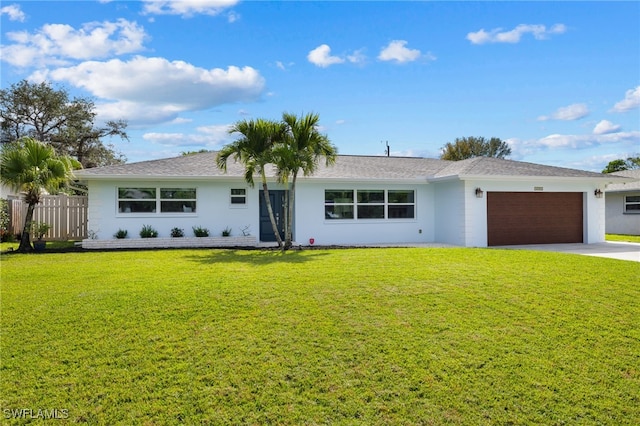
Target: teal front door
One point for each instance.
(277, 204)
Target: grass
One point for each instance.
(357, 336)
(624, 238)
(51, 245)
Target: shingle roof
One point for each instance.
(486, 166)
(203, 165)
(626, 186)
(349, 167)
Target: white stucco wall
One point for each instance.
(449, 212)
(617, 222)
(474, 233)
(311, 222)
(214, 210)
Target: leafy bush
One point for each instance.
(148, 231)
(4, 220)
(199, 231)
(226, 232)
(177, 232)
(121, 234)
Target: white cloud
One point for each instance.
(521, 149)
(56, 44)
(568, 113)
(497, 35)
(357, 57)
(232, 17)
(187, 8)
(14, 12)
(604, 127)
(583, 141)
(282, 66)
(631, 101)
(596, 162)
(152, 90)
(396, 51)
(207, 137)
(321, 57)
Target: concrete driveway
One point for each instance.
(614, 250)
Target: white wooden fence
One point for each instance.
(67, 215)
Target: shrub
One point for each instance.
(4, 220)
(147, 231)
(121, 234)
(226, 232)
(199, 231)
(177, 232)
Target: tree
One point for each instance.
(304, 146)
(470, 147)
(39, 111)
(631, 163)
(254, 150)
(32, 167)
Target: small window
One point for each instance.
(238, 196)
(632, 204)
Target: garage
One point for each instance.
(518, 218)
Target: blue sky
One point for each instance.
(559, 81)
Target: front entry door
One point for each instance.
(277, 204)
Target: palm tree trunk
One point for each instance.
(25, 238)
(288, 236)
(267, 200)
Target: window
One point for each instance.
(137, 200)
(369, 204)
(177, 200)
(238, 196)
(152, 200)
(401, 205)
(338, 204)
(632, 204)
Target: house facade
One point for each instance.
(478, 202)
(623, 205)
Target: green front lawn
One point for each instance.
(358, 336)
(624, 238)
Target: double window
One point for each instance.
(154, 200)
(369, 204)
(632, 204)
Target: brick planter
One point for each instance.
(186, 242)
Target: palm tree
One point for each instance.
(255, 150)
(31, 167)
(303, 148)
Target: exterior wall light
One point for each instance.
(479, 193)
(598, 193)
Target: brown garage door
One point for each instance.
(534, 218)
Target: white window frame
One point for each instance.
(233, 196)
(157, 211)
(386, 204)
